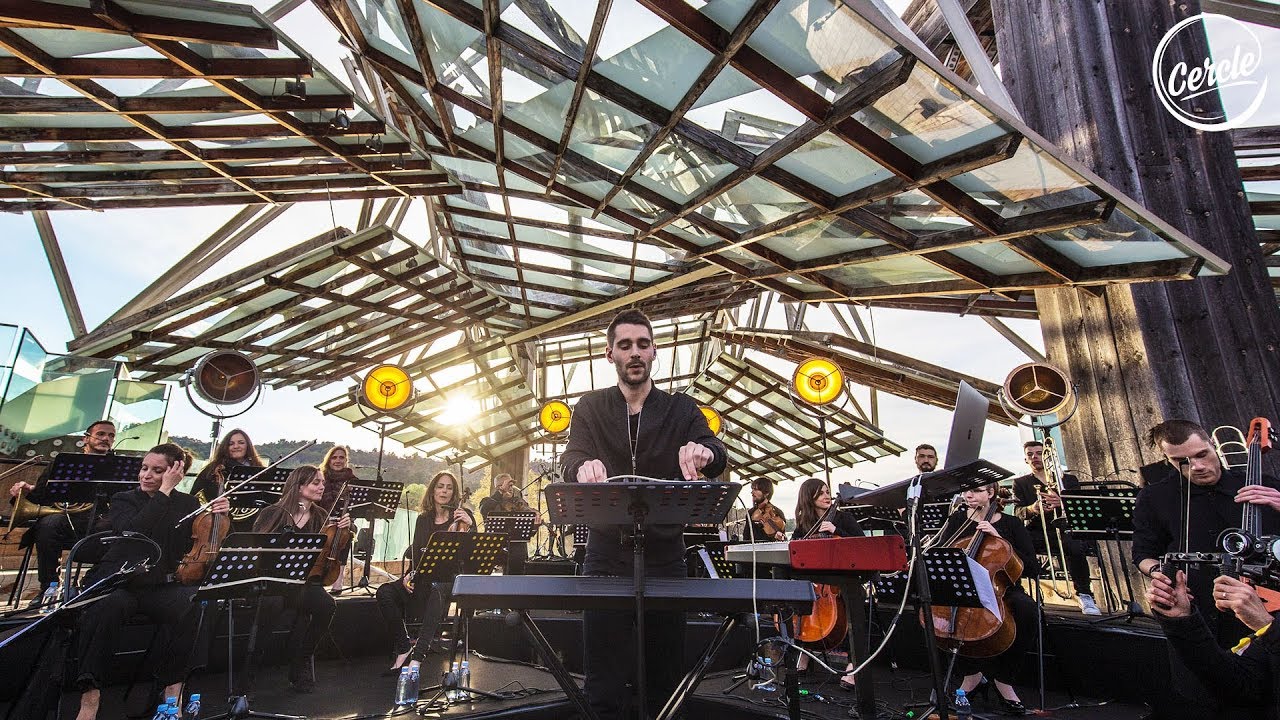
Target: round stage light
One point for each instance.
(387, 388)
(818, 381)
(554, 416)
(224, 377)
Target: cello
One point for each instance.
(828, 623)
(337, 541)
(207, 533)
(976, 632)
(1261, 437)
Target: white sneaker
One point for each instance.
(1087, 606)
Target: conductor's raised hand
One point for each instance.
(221, 505)
(172, 477)
(693, 457)
(592, 471)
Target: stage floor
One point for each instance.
(349, 689)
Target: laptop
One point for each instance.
(967, 424)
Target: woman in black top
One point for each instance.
(298, 510)
(817, 518)
(440, 512)
(153, 509)
(235, 450)
(999, 669)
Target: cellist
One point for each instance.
(298, 510)
(999, 669)
(817, 517)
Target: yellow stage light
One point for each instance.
(713, 418)
(387, 388)
(554, 416)
(818, 381)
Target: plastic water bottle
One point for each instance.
(464, 681)
(407, 686)
(452, 694)
(162, 712)
(193, 707)
(171, 708)
(963, 709)
(49, 599)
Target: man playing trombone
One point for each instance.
(1039, 506)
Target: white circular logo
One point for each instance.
(1187, 77)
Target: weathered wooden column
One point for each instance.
(1079, 72)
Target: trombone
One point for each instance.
(1053, 484)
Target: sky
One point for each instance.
(111, 256)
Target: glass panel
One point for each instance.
(821, 238)
(534, 95)
(457, 52)
(738, 109)
(679, 169)
(385, 30)
(831, 164)
(901, 270)
(996, 258)
(642, 52)
(822, 42)
(139, 408)
(607, 134)
(929, 119)
(1028, 182)
(917, 212)
(51, 396)
(1093, 251)
(564, 26)
(752, 203)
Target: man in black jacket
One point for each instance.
(635, 429)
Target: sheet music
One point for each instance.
(986, 592)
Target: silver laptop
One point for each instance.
(967, 424)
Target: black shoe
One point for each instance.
(300, 674)
(1012, 707)
(983, 690)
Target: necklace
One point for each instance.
(633, 442)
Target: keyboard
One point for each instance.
(563, 592)
(855, 555)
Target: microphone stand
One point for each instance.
(915, 555)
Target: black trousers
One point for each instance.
(52, 535)
(1004, 666)
(609, 652)
(1075, 550)
(398, 606)
(1188, 698)
(169, 606)
(313, 609)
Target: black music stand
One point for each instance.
(259, 493)
(373, 500)
(79, 478)
(640, 504)
(1106, 515)
(249, 566)
(933, 516)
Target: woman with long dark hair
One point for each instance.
(441, 511)
(816, 517)
(235, 450)
(155, 509)
(1001, 668)
(298, 510)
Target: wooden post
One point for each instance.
(1206, 350)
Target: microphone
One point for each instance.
(123, 440)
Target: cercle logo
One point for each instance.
(1186, 76)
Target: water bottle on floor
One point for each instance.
(452, 694)
(49, 599)
(162, 712)
(193, 707)
(464, 681)
(963, 709)
(402, 686)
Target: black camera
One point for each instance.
(1259, 549)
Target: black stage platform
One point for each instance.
(1117, 662)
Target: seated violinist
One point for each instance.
(440, 512)
(767, 521)
(298, 510)
(981, 514)
(153, 509)
(817, 517)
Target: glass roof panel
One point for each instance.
(752, 203)
(996, 258)
(1090, 252)
(833, 165)
(900, 270)
(821, 238)
(679, 169)
(563, 26)
(384, 27)
(457, 52)
(739, 110)
(608, 134)
(534, 95)
(645, 54)
(917, 212)
(1030, 181)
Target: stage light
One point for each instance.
(713, 418)
(374, 144)
(224, 377)
(387, 388)
(340, 120)
(818, 381)
(295, 88)
(554, 416)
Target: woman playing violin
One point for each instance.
(235, 450)
(816, 517)
(440, 512)
(999, 669)
(154, 509)
(298, 510)
(337, 475)
(767, 521)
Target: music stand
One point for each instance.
(518, 526)
(933, 516)
(373, 500)
(639, 504)
(939, 484)
(259, 493)
(1106, 515)
(80, 478)
(248, 566)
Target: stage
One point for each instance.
(1093, 663)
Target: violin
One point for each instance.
(207, 533)
(976, 632)
(769, 518)
(337, 542)
(456, 525)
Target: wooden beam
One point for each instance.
(58, 266)
(38, 14)
(1015, 339)
(158, 68)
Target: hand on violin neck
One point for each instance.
(221, 505)
(344, 522)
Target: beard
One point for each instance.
(624, 374)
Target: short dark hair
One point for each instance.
(1030, 444)
(630, 316)
(765, 486)
(925, 446)
(96, 423)
(1176, 432)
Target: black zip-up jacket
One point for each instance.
(600, 431)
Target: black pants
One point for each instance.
(313, 612)
(1075, 550)
(1188, 698)
(169, 606)
(1004, 666)
(609, 652)
(398, 606)
(52, 535)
